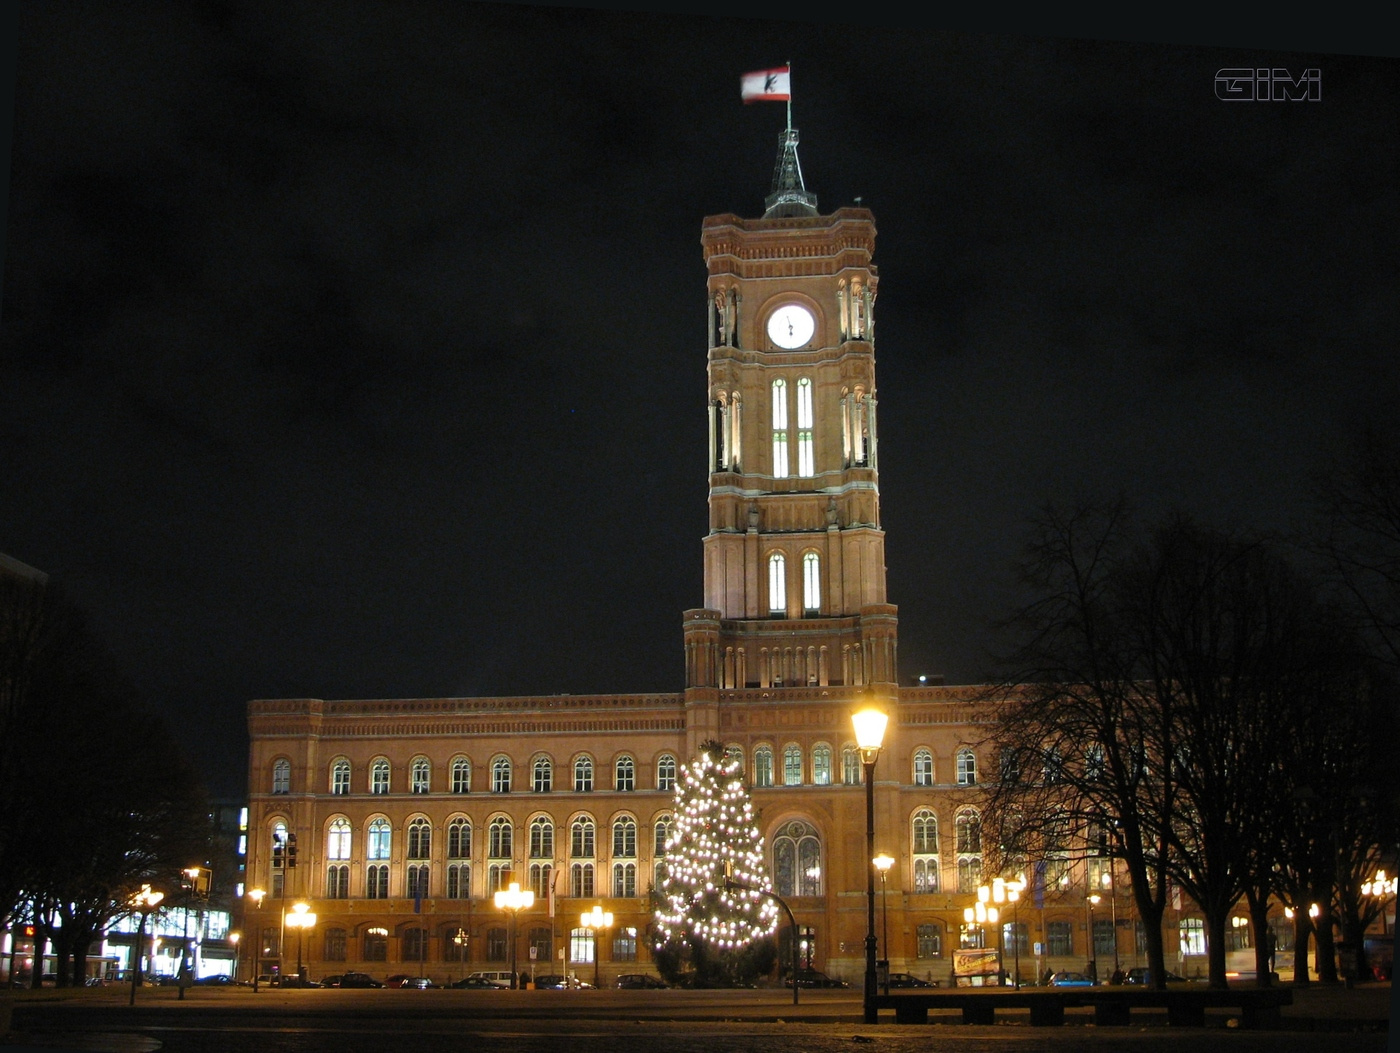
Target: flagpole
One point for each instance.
(789, 98)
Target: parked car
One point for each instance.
(419, 983)
(554, 982)
(1069, 979)
(816, 978)
(358, 980)
(294, 981)
(219, 980)
(910, 980)
(641, 982)
(501, 977)
(477, 982)
(1141, 975)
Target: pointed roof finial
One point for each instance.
(790, 196)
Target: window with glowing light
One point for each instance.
(459, 838)
(500, 775)
(581, 843)
(281, 775)
(581, 946)
(850, 765)
(792, 765)
(500, 837)
(780, 425)
(1192, 933)
(583, 775)
(811, 583)
(420, 775)
(625, 775)
(806, 457)
(379, 776)
(763, 766)
(968, 825)
(277, 863)
(666, 773)
(497, 877)
(924, 851)
(930, 940)
(624, 880)
(777, 584)
(542, 775)
(923, 768)
(541, 838)
(821, 764)
(625, 837)
(967, 768)
(461, 775)
(380, 839)
(797, 860)
(338, 839)
(340, 777)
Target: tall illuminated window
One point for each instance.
(500, 838)
(500, 775)
(821, 764)
(581, 839)
(666, 773)
(811, 583)
(763, 766)
(379, 776)
(420, 777)
(380, 839)
(792, 766)
(543, 775)
(282, 776)
(806, 459)
(780, 429)
(777, 584)
(340, 777)
(925, 851)
(461, 775)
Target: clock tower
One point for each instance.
(795, 554)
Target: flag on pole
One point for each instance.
(766, 85)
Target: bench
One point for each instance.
(1113, 1006)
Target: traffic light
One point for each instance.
(291, 850)
(276, 853)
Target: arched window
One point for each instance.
(381, 839)
(500, 775)
(924, 851)
(541, 838)
(777, 584)
(500, 838)
(338, 840)
(969, 845)
(797, 860)
(923, 768)
(850, 765)
(1093, 762)
(661, 832)
(625, 837)
(420, 839)
(542, 780)
(583, 775)
(459, 839)
(792, 765)
(666, 773)
(811, 583)
(930, 936)
(420, 775)
(379, 776)
(763, 766)
(461, 775)
(337, 852)
(780, 426)
(581, 838)
(821, 764)
(806, 459)
(967, 768)
(340, 777)
(581, 880)
(281, 775)
(624, 880)
(625, 774)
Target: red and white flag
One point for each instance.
(766, 85)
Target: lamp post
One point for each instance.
(233, 938)
(882, 864)
(513, 900)
(870, 736)
(256, 895)
(1107, 882)
(301, 918)
(1093, 970)
(1381, 887)
(593, 920)
(978, 916)
(143, 903)
(1013, 894)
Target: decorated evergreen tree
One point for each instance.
(711, 911)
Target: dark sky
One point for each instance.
(358, 350)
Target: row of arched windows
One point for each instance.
(782, 436)
(965, 764)
(501, 775)
(811, 583)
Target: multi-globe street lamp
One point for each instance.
(1383, 888)
(1107, 882)
(882, 864)
(869, 726)
(1093, 969)
(593, 920)
(301, 918)
(513, 900)
(980, 915)
(143, 903)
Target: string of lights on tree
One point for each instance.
(714, 834)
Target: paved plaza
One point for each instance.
(1323, 1019)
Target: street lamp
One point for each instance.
(256, 895)
(233, 938)
(301, 918)
(1381, 887)
(1093, 901)
(978, 916)
(144, 902)
(513, 900)
(870, 736)
(593, 920)
(882, 864)
(1107, 881)
(1013, 895)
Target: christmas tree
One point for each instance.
(711, 898)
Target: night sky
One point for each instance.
(358, 350)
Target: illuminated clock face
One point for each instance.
(791, 326)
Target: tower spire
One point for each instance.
(789, 196)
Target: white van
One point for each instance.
(501, 977)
